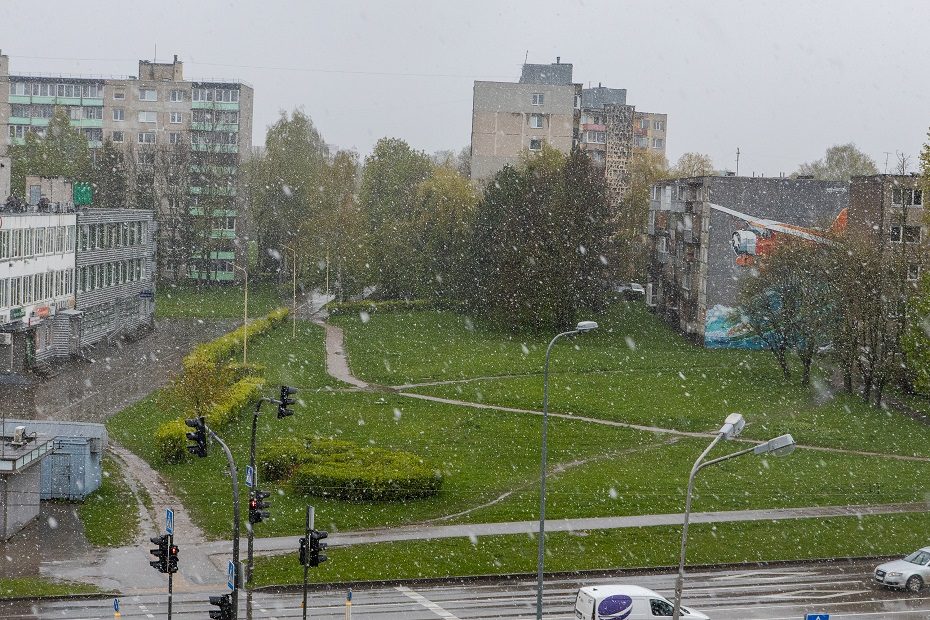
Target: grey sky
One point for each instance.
(782, 80)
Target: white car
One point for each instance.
(911, 573)
(619, 602)
(630, 288)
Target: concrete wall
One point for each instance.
(501, 116)
(19, 500)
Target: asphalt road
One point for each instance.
(841, 589)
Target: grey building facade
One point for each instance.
(694, 272)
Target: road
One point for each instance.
(783, 593)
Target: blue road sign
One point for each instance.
(249, 476)
(231, 575)
(169, 522)
(817, 617)
(116, 605)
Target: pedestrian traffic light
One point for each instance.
(257, 505)
(286, 401)
(303, 551)
(225, 611)
(172, 558)
(161, 564)
(316, 557)
(199, 436)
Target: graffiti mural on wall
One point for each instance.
(724, 329)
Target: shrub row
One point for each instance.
(397, 305)
(228, 345)
(344, 470)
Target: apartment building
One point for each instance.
(510, 120)
(889, 209)
(702, 241)
(208, 121)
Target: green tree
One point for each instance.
(693, 165)
(630, 252)
(388, 199)
(841, 162)
(111, 187)
(343, 227)
(62, 151)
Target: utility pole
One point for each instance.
(737, 161)
(887, 155)
(309, 528)
(235, 492)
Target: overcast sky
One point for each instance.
(781, 80)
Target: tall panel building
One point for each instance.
(209, 122)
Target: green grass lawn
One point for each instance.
(36, 587)
(110, 514)
(217, 301)
(604, 549)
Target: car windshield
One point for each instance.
(918, 557)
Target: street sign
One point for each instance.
(817, 617)
(116, 605)
(231, 575)
(146, 294)
(249, 476)
(169, 522)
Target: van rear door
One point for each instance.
(584, 606)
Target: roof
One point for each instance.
(613, 590)
(557, 73)
(598, 97)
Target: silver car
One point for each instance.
(911, 573)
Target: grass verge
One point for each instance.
(606, 549)
(216, 301)
(110, 514)
(37, 587)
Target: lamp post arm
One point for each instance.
(679, 581)
(726, 457)
(540, 560)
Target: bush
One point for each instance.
(343, 470)
(236, 371)
(278, 459)
(351, 308)
(237, 399)
(224, 347)
(171, 441)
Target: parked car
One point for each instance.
(614, 602)
(910, 573)
(630, 289)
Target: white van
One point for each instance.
(626, 603)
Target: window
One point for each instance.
(147, 116)
(94, 113)
(177, 95)
(146, 137)
(535, 144)
(657, 192)
(119, 94)
(913, 272)
(538, 98)
(641, 142)
(644, 124)
(577, 102)
(17, 88)
(117, 136)
(912, 234)
(92, 90)
(658, 143)
(21, 111)
(597, 137)
(94, 134)
(148, 94)
(536, 121)
(175, 117)
(663, 244)
(174, 137)
(906, 196)
(896, 234)
(119, 114)
(659, 125)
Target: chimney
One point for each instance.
(598, 84)
(558, 59)
(175, 59)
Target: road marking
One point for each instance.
(811, 594)
(422, 600)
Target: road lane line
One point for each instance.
(425, 602)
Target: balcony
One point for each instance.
(215, 126)
(215, 148)
(215, 105)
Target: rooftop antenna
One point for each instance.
(737, 161)
(155, 56)
(526, 57)
(887, 155)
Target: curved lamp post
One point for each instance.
(733, 425)
(582, 327)
(245, 313)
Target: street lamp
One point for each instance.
(733, 425)
(294, 292)
(245, 313)
(582, 327)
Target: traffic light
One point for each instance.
(316, 558)
(257, 505)
(161, 564)
(199, 437)
(225, 611)
(172, 558)
(285, 401)
(303, 551)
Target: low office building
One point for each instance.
(703, 241)
(21, 452)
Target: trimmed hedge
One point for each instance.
(238, 371)
(397, 305)
(171, 441)
(345, 470)
(228, 345)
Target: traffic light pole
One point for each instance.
(235, 492)
(310, 515)
(251, 533)
(170, 575)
